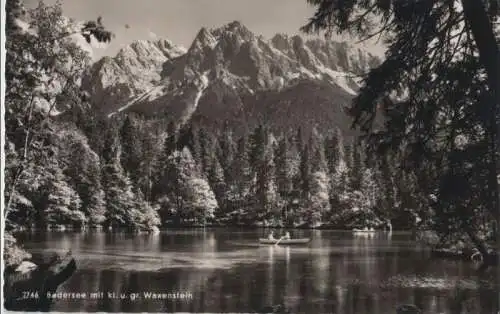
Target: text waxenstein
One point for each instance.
(170, 295)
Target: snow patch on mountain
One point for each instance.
(203, 83)
(342, 79)
(153, 71)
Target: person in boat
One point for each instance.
(271, 236)
(287, 236)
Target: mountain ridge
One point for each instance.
(229, 65)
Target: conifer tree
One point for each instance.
(355, 166)
(131, 148)
(63, 203)
(206, 151)
(161, 175)
(215, 175)
(266, 190)
(305, 172)
(332, 153)
(258, 142)
(84, 172)
(284, 171)
(241, 179)
(226, 148)
(318, 203)
(119, 197)
(149, 164)
(171, 139)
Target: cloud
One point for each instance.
(152, 35)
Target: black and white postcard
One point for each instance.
(251, 156)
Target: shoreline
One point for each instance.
(423, 237)
(215, 226)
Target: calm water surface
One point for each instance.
(226, 270)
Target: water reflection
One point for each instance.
(228, 271)
(270, 275)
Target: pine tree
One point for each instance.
(226, 148)
(171, 140)
(318, 202)
(161, 176)
(339, 182)
(284, 171)
(241, 178)
(217, 181)
(111, 142)
(188, 138)
(305, 172)
(332, 153)
(131, 148)
(84, 173)
(119, 197)
(258, 142)
(355, 166)
(195, 146)
(206, 151)
(299, 139)
(386, 182)
(63, 203)
(370, 189)
(149, 165)
(118, 189)
(267, 191)
(262, 162)
(96, 208)
(318, 162)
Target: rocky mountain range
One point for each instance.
(229, 75)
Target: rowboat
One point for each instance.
(366, 230)
(284, 241)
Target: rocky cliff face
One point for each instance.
(231, 75)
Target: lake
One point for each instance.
(226, 270)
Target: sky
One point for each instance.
(180, 20)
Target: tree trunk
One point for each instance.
(480, 25)
(486, 260)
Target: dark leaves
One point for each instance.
(432, 58)
(384, 5)
(97, 30)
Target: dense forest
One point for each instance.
(131, 172)
(80, 169)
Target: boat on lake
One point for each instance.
(284, 241)
(365, 230)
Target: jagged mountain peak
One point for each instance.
(136, 68)
(233, 29)
(226, 67)
(204, 38)
(209, 38)
(150, 48)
